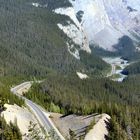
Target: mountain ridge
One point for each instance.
(105, 22)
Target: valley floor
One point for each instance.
(118, 65)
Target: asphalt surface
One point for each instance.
(43, 119)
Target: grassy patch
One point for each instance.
(115, 76)
(118, 67)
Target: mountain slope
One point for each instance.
(70, 95)
(133, 69)
(31, 42)
(105, 22)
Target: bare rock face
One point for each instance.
(104, 22)
(74, 30)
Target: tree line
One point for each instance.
(68, 95)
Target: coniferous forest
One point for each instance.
(32, 46)
(68, 95)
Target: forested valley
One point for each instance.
(68, 95)
(32, 46)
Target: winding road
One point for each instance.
(39, 112)
(113, 69)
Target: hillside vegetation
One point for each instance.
(132, 69)
(9, 131)
(32, 44)
(68, 95)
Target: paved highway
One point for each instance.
(42, 117)
(113, 70)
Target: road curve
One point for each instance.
(113, 70)
(43, 119)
